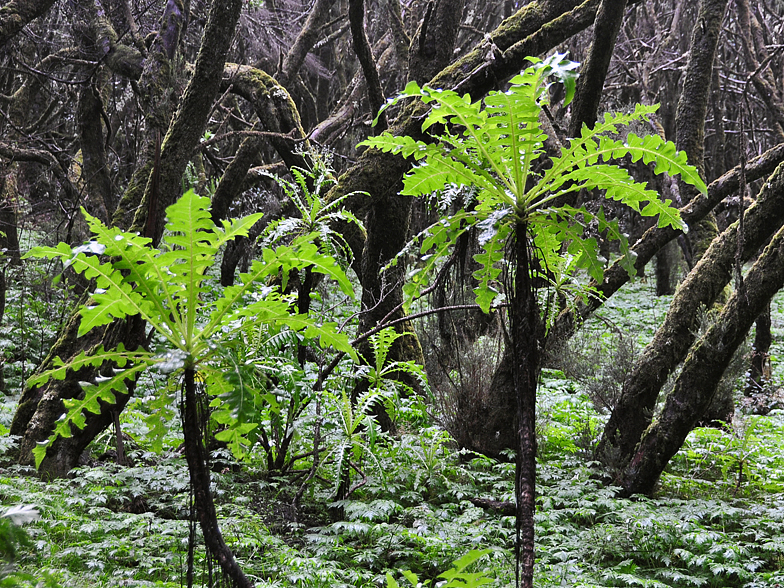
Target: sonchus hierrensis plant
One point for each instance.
(526, 214)
(168, 287)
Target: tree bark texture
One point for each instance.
(304, 42)
(665, 263)
(12, 152)
(157, 94)
(356, 16)
(399, 36)
(188, 125)
(122, 59)
(759, 371)
(693, 108)
(672, 340)
(703, 369)
(9, 233)
(388, 218)
(274, 107)
(756, 54)
(16, 14)
(432, 47)
(94, 163)
(609, 18)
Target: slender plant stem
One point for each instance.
(196, 455)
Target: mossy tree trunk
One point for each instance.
(95, 167)
(759, 371)
(693, 108)
(9, 242)
(609, 17)
(671, 342)
(702, 370)
(16, 14)
(665, 262)
(704, 285)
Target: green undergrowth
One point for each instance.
(716, 520)
(108, 525)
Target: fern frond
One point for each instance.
(139, 265)
(113, 298)
(277, 230)
(571, 233)
(276, 342)
(234, 228)
(274, 310)
(412, 369)
(93, 358)
(365, 403)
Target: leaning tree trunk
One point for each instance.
(526, 334)
(609, 17)
(693, 108)
(672, 340)
(196, 455)
(702, 370)
(40, 406)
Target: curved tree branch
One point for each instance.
(304, 43)
(696, 384)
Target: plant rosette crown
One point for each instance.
(168, 288)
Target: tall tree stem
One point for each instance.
(196, 455)
(524, 316)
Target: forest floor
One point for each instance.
(717, 518)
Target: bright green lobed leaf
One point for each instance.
(490, 257)
(94, 358)
(93, 393)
